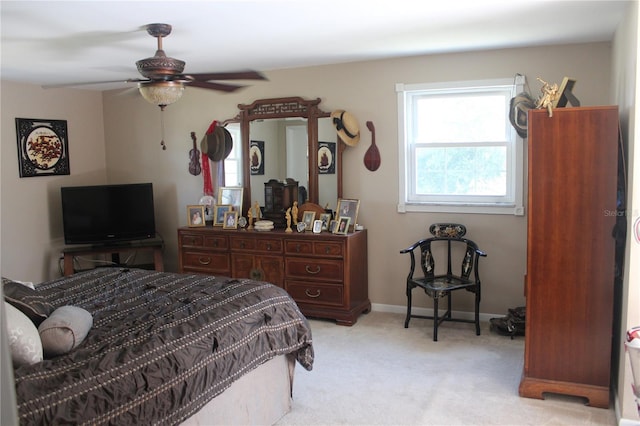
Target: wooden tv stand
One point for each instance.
(154, 245)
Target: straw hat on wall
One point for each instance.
(346, 126)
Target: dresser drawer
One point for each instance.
(315, 294)
(314, 269)
(317, 248)
(263, 245)
(326, 274)
(202, 261)
(202, 240)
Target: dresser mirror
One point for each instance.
(289, 138)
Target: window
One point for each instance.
(458, 151)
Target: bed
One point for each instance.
(165, 348)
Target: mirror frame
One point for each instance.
(294, 106)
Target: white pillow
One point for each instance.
(24, 342)
(64, 330)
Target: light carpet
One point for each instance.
(379, 373)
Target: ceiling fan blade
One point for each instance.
(232, 75)
(223, 87)
(91, 83)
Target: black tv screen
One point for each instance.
(103, 214)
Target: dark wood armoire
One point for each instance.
(569, 282)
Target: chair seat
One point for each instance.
(443, 283)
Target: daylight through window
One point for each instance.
(458, 150)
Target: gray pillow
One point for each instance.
(24, 342)
(26, 300)
(64, 330)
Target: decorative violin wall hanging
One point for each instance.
(194, 156)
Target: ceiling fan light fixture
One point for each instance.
(161, 93)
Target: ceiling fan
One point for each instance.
(164, 80)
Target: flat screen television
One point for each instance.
(107, 214)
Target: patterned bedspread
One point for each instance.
(162, 345)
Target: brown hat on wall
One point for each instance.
(215, 142)
(346, 126)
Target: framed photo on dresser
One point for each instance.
(348, 208)
(220, 210)
(195, 215)
(231, 195)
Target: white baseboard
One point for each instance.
(397, 309)
(621, 421)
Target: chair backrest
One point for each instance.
(449, 230)
(429, 251)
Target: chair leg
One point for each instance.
(406, 321)
(435, 318)
(477, 313)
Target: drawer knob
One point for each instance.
(241, 244)
(327, 250)
(298, 248)
(317, 293)
(309, 271)
(204, 260)
(268, 246)
(256, 274)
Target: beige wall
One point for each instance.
(131, 150)
(625, 94)
(367, 89)
(117, 139)
(31, 215)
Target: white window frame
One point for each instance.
(515, 166)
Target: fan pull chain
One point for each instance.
(164, 147)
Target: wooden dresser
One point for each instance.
(325, 273)
(569, 286)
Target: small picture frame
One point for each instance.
(348, 208)
(195, 215)
(218, 216)
(308, 217)
(325, 218)
(343, 225)
(333, 225)
(230, 220)
(231, 195)
(317, 226)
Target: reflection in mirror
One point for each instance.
(233, 163)
(282, 153)
(327, 168)
(286, 155)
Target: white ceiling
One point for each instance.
(56, 42)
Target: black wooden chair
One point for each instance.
(446, 244)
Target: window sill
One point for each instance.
(462, 208)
